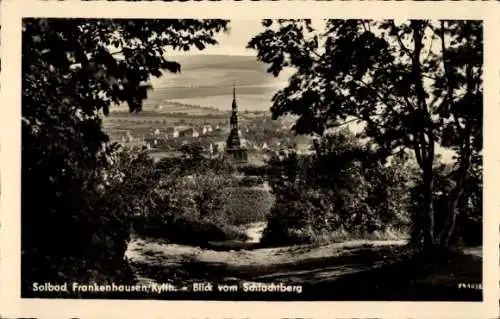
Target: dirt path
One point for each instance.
(161, 262)
(254, 232)
(386, 270)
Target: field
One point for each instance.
(207, 80)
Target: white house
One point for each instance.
(205, 129)
(129, 137)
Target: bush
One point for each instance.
(297, 220)
(342, 188)
(87, 235)
(468, 230)
(189, 207)
(187, 231)
(194, 232)
(247, 205)
(251, 181)
(254, 170)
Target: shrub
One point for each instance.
(342, 188)
(251, 181)
(295, 221)
(93, 221)
(189, 207)
(468, 230)
(247, 205)
(188, 231)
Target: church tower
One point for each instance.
(233, 144)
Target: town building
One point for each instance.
(234, 145)
(171, 132)
(128, 137)
(205, 129)
(190, 132)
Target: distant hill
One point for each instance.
(204, 71)
(207, 80)
(236, 62)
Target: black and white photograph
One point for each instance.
(256, 159)
(252, 160)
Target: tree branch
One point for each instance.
(400, 41)
(422, 116)
(385, 100)
(448, 75)
(463, 169)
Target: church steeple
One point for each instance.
(234, 106)
(233, 145)
(234, 115)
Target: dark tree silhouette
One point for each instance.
(413, 85)
(73, 69)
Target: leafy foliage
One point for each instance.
(248, 205)
(77, 192)
(341, 188)
(411, 85)
(190, 206)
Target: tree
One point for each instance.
(339, 189)
(74, 70)
(193, 151)
(412, 85)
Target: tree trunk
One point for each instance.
(449, 228)
(428, 210)
(451, 219)
(424, 136)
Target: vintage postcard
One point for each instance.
(211, 159)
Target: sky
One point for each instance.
(233, 42)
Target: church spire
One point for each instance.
(234, 106)
(233, 143)
(234, 114)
